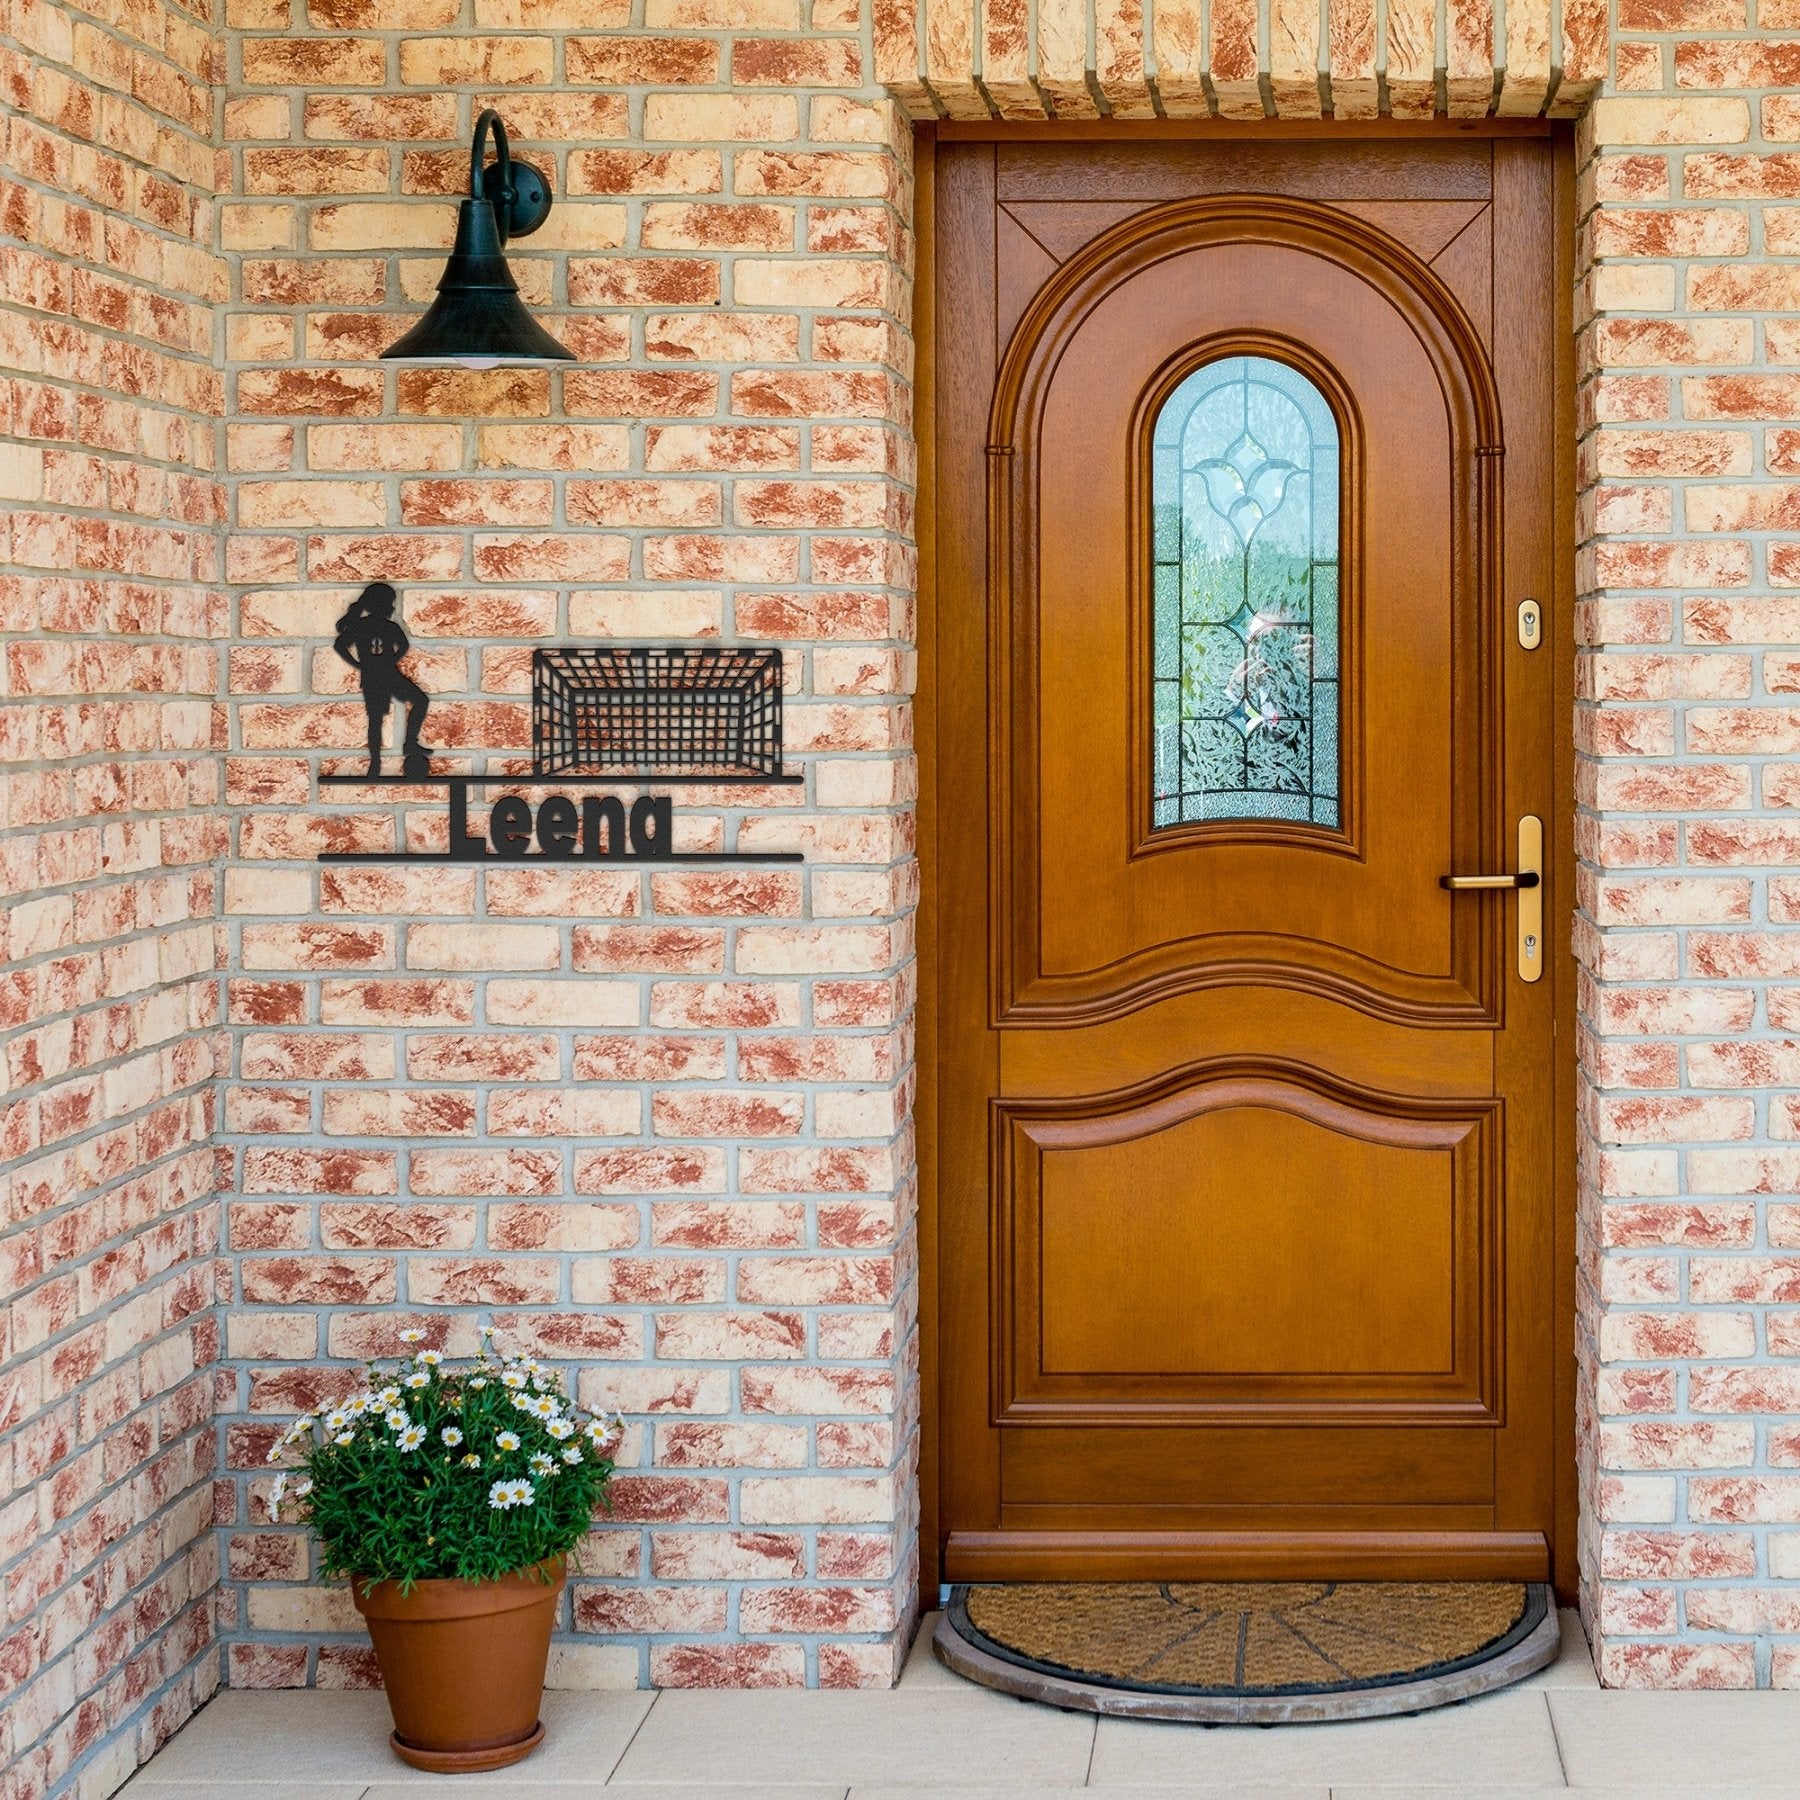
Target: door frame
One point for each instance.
(1562, 645)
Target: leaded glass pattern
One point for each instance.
(1244, 491)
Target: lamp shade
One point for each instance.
(478, 319)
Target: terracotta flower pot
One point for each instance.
(464, 1665)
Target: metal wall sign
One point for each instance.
(693, 713)
(601, 717)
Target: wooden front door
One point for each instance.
(1246, 1148)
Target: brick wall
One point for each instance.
(657, 1125)
(109, 835)
(652, 1125)
(1689, 1337)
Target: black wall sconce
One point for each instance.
(478, 319)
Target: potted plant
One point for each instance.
(451, 1497)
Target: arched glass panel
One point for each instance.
(1244, 487)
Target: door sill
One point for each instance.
(977, 1556)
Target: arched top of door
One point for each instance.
(1405, 280)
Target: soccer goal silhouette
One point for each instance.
(685, 710)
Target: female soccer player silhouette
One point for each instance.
(372, 642)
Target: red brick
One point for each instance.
(728, 1665)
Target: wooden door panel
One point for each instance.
(1023, 264)
(1425, 227)
(1465, 266)
(1226, 1477)
(1436, 231)
(1238, 1244)
(1145, 1247)
(1244, 1162)
(1354, 910)
(1344, 169)
(1118, 1052)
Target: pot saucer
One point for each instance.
(466, 1762)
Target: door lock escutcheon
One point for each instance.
(1528, 882)
(1531, 624)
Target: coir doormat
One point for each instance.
(1248, 1651)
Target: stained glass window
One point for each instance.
(1244, 485)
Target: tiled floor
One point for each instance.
(936, 1733)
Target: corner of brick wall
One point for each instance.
(652, 1125)
(111, 619)
(1686, 730)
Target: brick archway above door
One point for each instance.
(1240, 59)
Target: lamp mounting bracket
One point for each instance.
(519, 195)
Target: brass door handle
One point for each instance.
(1529, 882)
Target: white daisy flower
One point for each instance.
(412, 1437)
(396, 1419)
(542, 1465)
(479, 1382)
(430, 1358)
(412, 1337)
(507, 1440)
(344, 1438)
(544, 1406)
(572, 1455)
(513, 1379)
(418, 1379)
(560, 1429)
(302, 1489)
(452, 1436)
(360, 1404)
(388, 1395)
(336, 1420)
(504, 1495)
(471, 1461)
(277, 1493)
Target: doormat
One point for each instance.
(1249, 1652)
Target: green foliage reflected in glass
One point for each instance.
(1244, 483)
